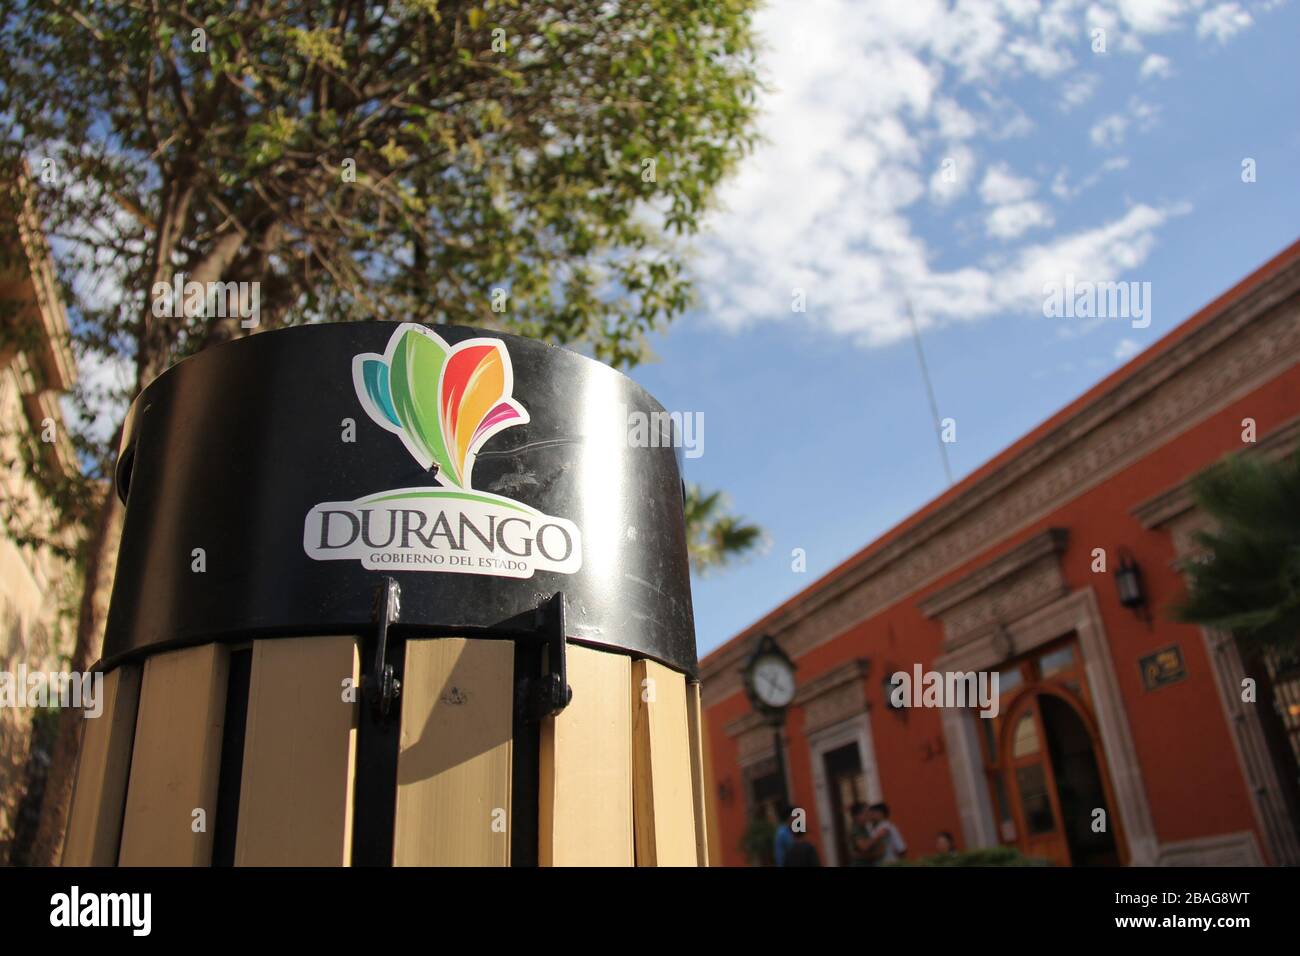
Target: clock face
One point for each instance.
(773, 682)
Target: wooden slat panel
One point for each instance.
(585, 787)
(176, 758)
(295, 798)
(99, 795)
(661, 768)
(453, 768)
(694, 728)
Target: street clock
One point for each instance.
(769, 678)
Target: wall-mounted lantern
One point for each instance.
(887, 685)
(1128, 584)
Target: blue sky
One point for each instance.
(1116, 165)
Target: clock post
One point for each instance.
(770, 686)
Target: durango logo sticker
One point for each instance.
(444, 402)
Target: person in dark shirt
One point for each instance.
(860, 846)
(784, 835)
(801, 852)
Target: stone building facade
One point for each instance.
(37, 583)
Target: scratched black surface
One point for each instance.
(229, 450)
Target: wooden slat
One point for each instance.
(295, 798)
(453, 768)
(585, 786)
(99, 795)
(661, 768)
(694, 728)
(176, 758)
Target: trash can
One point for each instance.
(393, 594)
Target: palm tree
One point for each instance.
(1248, 580)
(713, 537)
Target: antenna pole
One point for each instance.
(929, 390)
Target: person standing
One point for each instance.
(860, 836)
(887, 843)
(801, 852)
(784, 835)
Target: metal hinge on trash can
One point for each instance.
(382, 688)
(545, 695)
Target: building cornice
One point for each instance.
(1050, 542)
(856, 669)
(1159, 510)
(54, 354)
(42, 364)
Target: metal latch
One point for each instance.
(547, 694)
(382, 688)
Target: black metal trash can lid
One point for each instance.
(272, 482)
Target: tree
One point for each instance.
(714, 537)
(1248, 580)
(531, 167)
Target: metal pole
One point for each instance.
(780, 765)
(929, 391)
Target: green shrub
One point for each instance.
(985, 856)
(759, 842)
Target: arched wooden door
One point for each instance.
(1056, 782)
(1031, 783)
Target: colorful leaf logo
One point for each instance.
(444, 401)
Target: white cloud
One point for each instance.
(1062, 189)
(1078, 90)
(954, 122)
(1152, 16)
(1001, 185)
(1109, 131)
(1096, 255)
(1125, 349)
(1155, 66)
(868, 99)
(1015, 219)
(1143, 112)
(1039, 58)
(955, 172)
(1223, 22)
(1098, 17)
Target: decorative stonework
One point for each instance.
(836, 696)
(1006, 588)
(1163, 508)
(1250, 342)
(754, 738)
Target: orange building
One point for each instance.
(1102, 706)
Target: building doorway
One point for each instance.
(847, 783)
(1043, 758)
(1058, 796)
